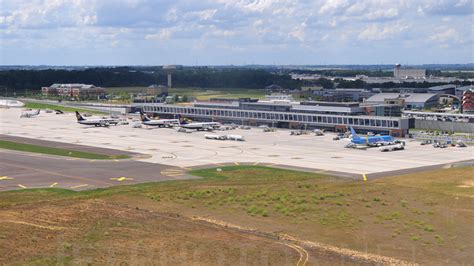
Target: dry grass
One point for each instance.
(423, 217)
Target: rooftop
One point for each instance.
(409, 97)
(329, 109)
(442, 87)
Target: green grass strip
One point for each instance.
(34, 105)
(56, 151)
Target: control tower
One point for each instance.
(169, 69)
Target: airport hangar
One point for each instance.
(282, 115)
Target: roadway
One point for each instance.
(19, 170)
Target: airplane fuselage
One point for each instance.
(99, 122)
(201, 126)
(373, 140)
(162, 122)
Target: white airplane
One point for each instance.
(201, 125)
(224, 137)
(98, 122)
(216, 137)
(159, 122)
(235, 137)
(30, 114)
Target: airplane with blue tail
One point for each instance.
(371, 140)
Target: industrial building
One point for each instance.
(155, 90)
(74, 90)
(444, 89)
(408, 73)
(284, 115)
(407, 100)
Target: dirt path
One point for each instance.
(298, 244)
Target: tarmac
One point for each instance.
(162, 149)
(21, 170)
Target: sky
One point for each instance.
(240, 32)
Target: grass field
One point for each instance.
(200, 93)
(57, 151)
(34, 105)
(423, 217)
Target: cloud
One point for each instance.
(446, 35)
(310, 29)
(446, 7)
(375, 32)
(163, 34)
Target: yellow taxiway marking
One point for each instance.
(53, 184)
(122, 178)
(364, 177)
(71, 159)
(172, 170)
(78, 186)
(236, 163)
(173, 175)
(5, 177)
(91, 161)
(20, 185)
(255, 163)
(115, 160)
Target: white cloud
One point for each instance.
(261, 26)
(333, 6)
(446, 35)
(163, 34)
(376, 32)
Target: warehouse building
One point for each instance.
(408, 100)
(408, 73)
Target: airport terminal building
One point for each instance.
(282, 115)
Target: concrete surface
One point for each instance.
(32, 170)
(169, 147)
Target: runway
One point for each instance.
(20, 170)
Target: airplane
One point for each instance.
(30, 114)
(159, 122)
(235, 137)
(216, 137)
(371, 141)
(225, 137)
(200, 125)
(98, 122)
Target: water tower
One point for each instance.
(170, 69)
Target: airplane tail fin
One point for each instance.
(144, 117)
(79, 116)
(354, 134)
(38, 112)
(184, 120)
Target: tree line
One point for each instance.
(201, 77)
(185, 77)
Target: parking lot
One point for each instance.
(169, 147)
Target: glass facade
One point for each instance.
(375, 122)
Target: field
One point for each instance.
(10, 145)
(424, 217)
(199, 93)
(43, 106)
